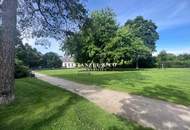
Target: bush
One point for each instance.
(21, 70)
(51, 60)
(177, 64)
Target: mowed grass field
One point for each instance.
(171, 85)
(41, 106)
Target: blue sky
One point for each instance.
(171, 16)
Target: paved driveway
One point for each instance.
(148, 112)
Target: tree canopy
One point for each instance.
(51, 18)
(51, 60)
(144, 29)
(88, 45)
(165, 59)
(126, 46)
(100, 40)
(30, 57)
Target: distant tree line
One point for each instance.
(29, 58)
(102, 44)
(169, 60)
(34, 59)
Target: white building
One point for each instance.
(68, 62)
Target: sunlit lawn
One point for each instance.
(169, 84)
(39, 105)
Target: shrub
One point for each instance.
(21, 70)
(51, 60)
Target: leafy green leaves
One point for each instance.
(101, 40)
(144, 29)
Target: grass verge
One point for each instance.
(171, 85)
(39, 105)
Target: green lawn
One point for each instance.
(39, 105)
(169, 84)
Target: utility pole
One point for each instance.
(8, 11)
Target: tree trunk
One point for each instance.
(7, 51)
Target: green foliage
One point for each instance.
(162, 56)
(170, 60)
(101, 41)
(102, 27)
(21, 67)
(41, 106)
(29, 56)
(184, 57)
(98, 32)
(147, 62)
(88, 45)
(21, 70)
(119, 47)
(51, 60)
(126, 46)
(144, 29)
(166, 84)
(32, 58)
(74, 45)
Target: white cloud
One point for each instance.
(179, 9)
(166, 14)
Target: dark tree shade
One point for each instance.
(51, 18)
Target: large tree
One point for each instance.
(144, 29)
(75, 46)
(51, 60)
(101, 41)
(100, 30)
(88, 45)
(8, 10)
(41, 18)
(163, 58)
